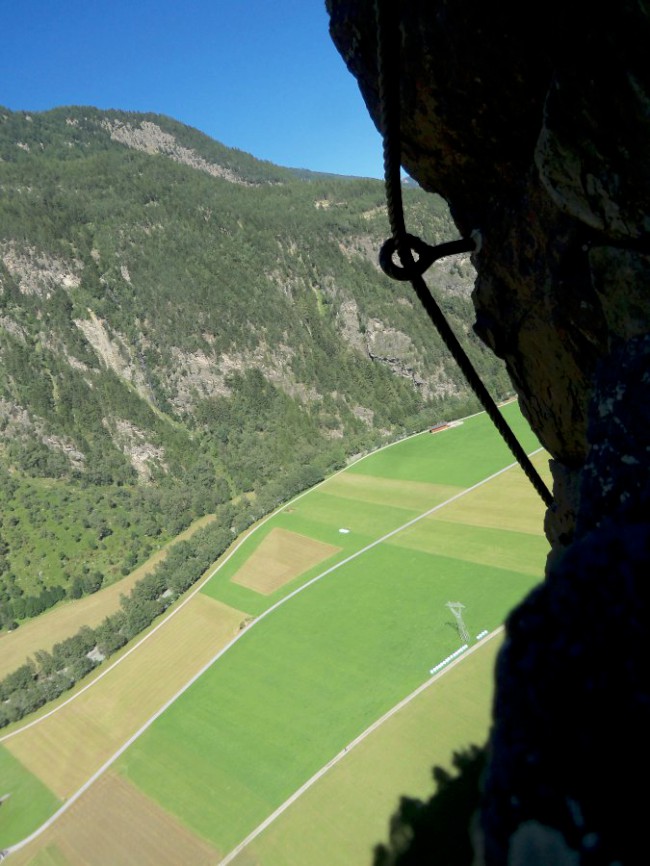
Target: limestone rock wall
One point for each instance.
(533, 122)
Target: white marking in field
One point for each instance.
(449, 658)
(74, 797)
(344, 531)
(459, 656)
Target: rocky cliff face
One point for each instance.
(534, 124)
(539, 145)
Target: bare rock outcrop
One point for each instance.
(150, 138)
(392, 348)
(38, 272)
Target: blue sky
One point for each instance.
(260, 75)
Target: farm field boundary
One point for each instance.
(366, 549)
(147, 834)
(66, 750)
(131, 740)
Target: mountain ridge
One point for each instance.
(185, 326)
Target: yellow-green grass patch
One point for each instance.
(340, 819)
(61, 622)
(502, 548)
(66, 619)
(416, 495)
(508, 500)
(113, 824)
(281, 557)
(65, 749)
(335, 512)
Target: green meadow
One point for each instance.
(461, 456)
(28, 805)
(376, 495)
(305, 681)
(341, 818)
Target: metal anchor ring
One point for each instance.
(424, 257)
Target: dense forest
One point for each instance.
(186, 330)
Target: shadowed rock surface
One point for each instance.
(533, 122)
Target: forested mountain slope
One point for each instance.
(186, 330)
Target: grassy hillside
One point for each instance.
(185, 329)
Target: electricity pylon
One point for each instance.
(457, 607)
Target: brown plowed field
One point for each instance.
(113, 824)
(280, 557)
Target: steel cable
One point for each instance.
(403, 244)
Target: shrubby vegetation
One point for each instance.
(70, 539)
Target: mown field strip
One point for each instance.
(75, 742)
(281, 557)
(58, 757)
